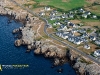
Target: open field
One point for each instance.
(94, 9)
(63, 4)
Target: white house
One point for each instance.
(97, 53)
(62, 28)
(92, 38)
(77, 41)
(88, 13)
(81, 10)
(94, 16)
(84, 15)
(47, 8)
(74, 31)
(60, 34)
(87, 46)
(65, 36)
(64, 16)
(71, 16)
(41, 13)
(71, 39)
(97, 42)
(52, 18)
(85, 35)
(72, 24)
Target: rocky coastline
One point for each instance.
(81, 65)
(26, 37)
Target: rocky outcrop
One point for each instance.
(15, 31)
(87, 69)
(18, 42)
(51, 51)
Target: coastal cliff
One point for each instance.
(39, 47)
(81, 65)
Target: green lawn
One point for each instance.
(68, 5)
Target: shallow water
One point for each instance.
(10, 55)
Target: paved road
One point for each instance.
(66, 44)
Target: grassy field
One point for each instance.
(63, 4)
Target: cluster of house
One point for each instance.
(85, 14)
(82, 13)
(68, 32)
(54, 14)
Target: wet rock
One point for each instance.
(20, 28)
(44, 48)
(27, 51)
(56, 61)
(18, 42)
(60, 70)
(15, 31)
(87, 69)
(37, 51)
(52, 54)
(29, 47)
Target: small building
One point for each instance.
(62, 28)
(71, 12)
(52, 18)
(97, 42)
(47, 8)
(85, 35)
(92, 38)
(97, 53)
(71, 38)
(65, 36)
(72, 24)
(71, 16)
(77, 41)
(81, 10)
(74, 31)
(88, 13)
(59, 34)
(41, 13)
(84, 15)
(94, 17)
(87, 46)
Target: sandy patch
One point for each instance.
(93, 23)
(75, 21)
(65, 0)
(90, 1)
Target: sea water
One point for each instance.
(11, 55)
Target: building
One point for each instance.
(87, 46)
(41, 13)
(97, 42)
(63, 28)
(97, 53)
(92, 38)
(47, 8)
(77, 41)
(71, 16)
(81, 10)
(84, 15)
(94, 16)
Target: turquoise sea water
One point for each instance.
(11, 55)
